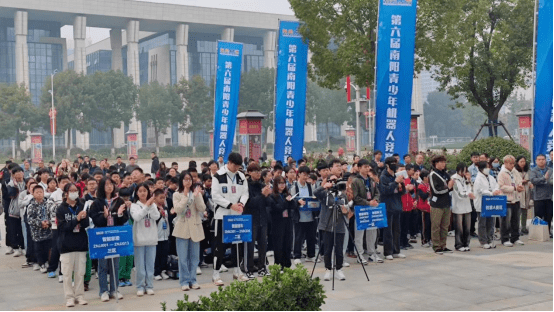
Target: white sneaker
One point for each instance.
(60, 279)
(375, 258)
(451, 234)
(297, 261)
(140, 293)
(119, 295)
(493, 244)
(216, 279)
(43, 268)
(240, 277)
(223, 268)
(345, 264)
(340, 275)
(199, 271)
(158, 278)
(399, 255)
(486, 246)
(269, 253)
(164, 275)
(20, 253)
(508, 244)
(313, 259)
(81, 301)
(195, 286)
(185, 288)
(389, 257)
(36, 267)
(70, 303)
(327, 276)
(150, 291)
(364, 261)
(519, 242)
(9, 251)
(105, 297)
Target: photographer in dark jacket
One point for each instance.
(256, 206)
(72, 222)
(391, 188)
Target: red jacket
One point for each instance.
(407, 199)
(423, 197)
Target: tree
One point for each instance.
(257, 92)
(17, 113)
(159, 106)
(198, 98)
(72, 100)
(341, 37)
(481, 50)
(327, 106)
(115, 96)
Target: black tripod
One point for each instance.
(336, 210)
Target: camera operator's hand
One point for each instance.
(328, 185)
(399, 179)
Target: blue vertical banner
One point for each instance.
(542, 122)
(290, 92)
(395, 70)
(227, 86)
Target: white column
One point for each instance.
(21, 50)
(133, 68)
(228, 34)
(116, 43)
(182, 42)
(269, 49)
(79, 36)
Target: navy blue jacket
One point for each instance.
(389, 192)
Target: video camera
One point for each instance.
(338, 186)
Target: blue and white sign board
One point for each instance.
(237, 229)
(312, 204)
(110, 242)
(493, 206)
(369, 217)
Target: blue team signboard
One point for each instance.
(237, 229)
(369, 217)
(110, 242)
(493, 206)
(312, 204)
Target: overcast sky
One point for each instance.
(266, 6)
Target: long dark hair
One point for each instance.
(163, 168)
(276, 182)
(145, 185)
(182, 176)
(101, 192)
(525, 168)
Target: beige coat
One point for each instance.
(188, 228)
(526, 201)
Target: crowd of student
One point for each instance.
(178, 215)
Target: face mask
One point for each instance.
(393, 167)
(496, 165)
(73, 195)
(486, 171)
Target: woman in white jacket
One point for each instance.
(485, 184)
(461, 206)
(145, 238)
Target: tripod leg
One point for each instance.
(315, 263)
(355, 248)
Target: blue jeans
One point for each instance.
(105, 268)
(189, 257)
(145, 258)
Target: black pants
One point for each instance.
(352, 229)
(259, 235)
(509, 225)
(473, 217)
(54, 253)
(331, 241)
(426, 227)
(41, 251)
(391, 234)
(162, 251)
(14, 233)
(30, 252)
(463, 226)
(405, 225)
(543, 210)
(282, 241)
(220, 247)
(304, 231)
(416, 222)
(6, 205)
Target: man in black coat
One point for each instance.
(155, 163)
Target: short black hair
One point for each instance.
(93, 158)
(395, 154)
(475, 154)
(174, 180)
(118, 157)
(212, 162)
(377, 152)
(407, 155)
(139, 169)
(304, 169)
(277, 167)
(206, 177)
(321, 165)
(363, 162)
(62, 177)
(17, 169)
(131, 158)
(334, 161)
(482, 165)
(235, 158)
(192, 169)
(461, 167)
(126, 174)
(409, 167)
(158, 192)
(390, 160)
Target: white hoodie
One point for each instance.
(460, 197)
(142, 214)
(484, 185)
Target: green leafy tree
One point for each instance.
(341, 37)
(17, 113)
(257, 92)
(72, 101)
(199, 102)
(114, 96)
(481, 50)
(159, 106)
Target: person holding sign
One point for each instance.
(305, 226)
(365, 193)
(485, 184)
(72, 222)
(107, 210)
(230, 194)
(189, 205)
(441, 186)
(509, 181)
(145, 238)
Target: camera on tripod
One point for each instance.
(338, 186)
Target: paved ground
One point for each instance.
(518, 278)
